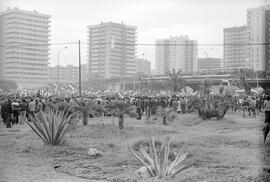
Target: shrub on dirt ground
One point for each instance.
(87, 108)
(158, 163)
(166, 114)
(214, 107)
(120, 109)
(217, 113)
(51, 126)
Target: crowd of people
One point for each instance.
(18, 108)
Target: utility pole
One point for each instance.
(257, 74)
(80, 80)
(58, 64)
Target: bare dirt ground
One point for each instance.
(228, 150)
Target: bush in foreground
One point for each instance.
(120, 109)
(51, 126)
(215, 107)
(166, 114)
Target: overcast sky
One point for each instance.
(202, 20)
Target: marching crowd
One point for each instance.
(15, 109)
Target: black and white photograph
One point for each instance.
(135, 91)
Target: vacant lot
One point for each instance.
(226, 150)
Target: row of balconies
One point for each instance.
(24, 72)
(26, 56)
(21, 76)
(24, 65)
(28, 19)
(27, 52)
(27, 63)
(26, 36)
(26, 40)
(27, 30)
(27, 23)
(26, 60)
(28, 16)
(28, 44)
(15, 71)
(25, 27)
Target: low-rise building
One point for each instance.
(209, 63)
(143, 66)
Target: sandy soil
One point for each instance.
(226, 150)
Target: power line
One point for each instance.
(26, 45)
(137, 44)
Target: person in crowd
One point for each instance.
(24, 110)
(8, 113)
(138, 104)
(266, 108)
(183, 106)
(174, 104)
(252, 105)
(245, 106)
(15, 111)
(32, 108)
(39, 106)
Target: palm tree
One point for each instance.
(87, 107)
(243, 82)
(119, 108)
(175, 80)
(205, 88)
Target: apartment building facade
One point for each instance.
(235, 49)
(111, 50)
(25, 36)
(176, 52)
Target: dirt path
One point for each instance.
(16, 164)
(229, 150)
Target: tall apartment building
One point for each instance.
(234, 50)
(176, 52)
(143, 66)
(25, 52)
(111, 50)
(267, 38)
(256, 37)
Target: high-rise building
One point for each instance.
(176, 52)
(234, 50)
(111, 50)
(267, 38)
(256, 37)
(24, 36)
(209, 63)
(143, 66)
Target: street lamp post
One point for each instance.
(205, 51)
(58, 65)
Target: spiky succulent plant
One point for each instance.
(159, 163)
(51, 126)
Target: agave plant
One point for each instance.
(50, 126)
(158, 162)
